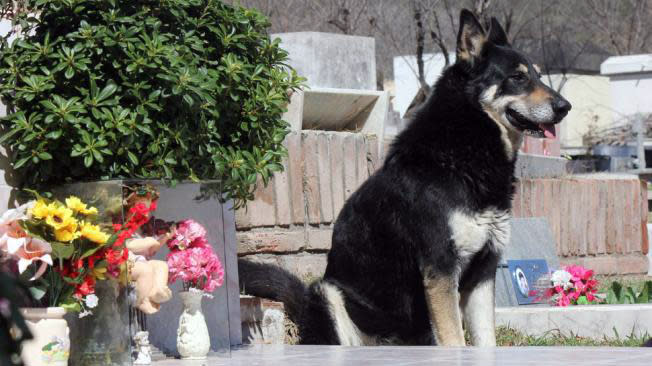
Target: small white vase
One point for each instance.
(193, 340)
(51, 343)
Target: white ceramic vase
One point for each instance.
(193, 340)
(51, 343)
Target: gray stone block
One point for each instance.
(538, 166)
(331, 60)
(531, 239)
(592, 321)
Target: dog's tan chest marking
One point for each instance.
(471, 231)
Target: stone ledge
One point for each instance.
(283, 241)
(539, 166)
(594, 321)
(307, 266)
(612, 264)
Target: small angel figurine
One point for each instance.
(143, 350)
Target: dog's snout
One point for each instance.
(561, 107)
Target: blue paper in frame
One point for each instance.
(524, 274)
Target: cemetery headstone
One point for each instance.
(531, 239)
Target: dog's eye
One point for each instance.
(519, 77)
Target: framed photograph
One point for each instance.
(524, 274)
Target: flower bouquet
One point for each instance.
(193, 261)
(572, 285)
(62, 253)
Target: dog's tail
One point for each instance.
(273, 282)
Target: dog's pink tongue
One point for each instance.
(548, 130)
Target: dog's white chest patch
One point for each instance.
(471, 231)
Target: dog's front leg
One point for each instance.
(478, 305)
(444, 307)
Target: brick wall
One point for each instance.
(290, 220)
(598, 221)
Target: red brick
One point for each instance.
(556, 212)
(311, 176)
(632, 264)
(516, 201)
(645, 244)
(611, 218)
(591, 219)
(601, 217)
(361, 161)
(350, 174)
(577, 219)
(564, 218)
(628, 215)
(373, 160)
(319, 239)
(270, 241)
(337, 171)
(635, 244)
(525, 145)
(604, 265)
(261, 210)
(584, 216)
(325, 177)
(619, 208)
(535, 145)
(242, 218)
(295, 162)
(526, 198)
(282, 195)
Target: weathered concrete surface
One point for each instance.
(594, 321)
(539, 166)
(331, 60)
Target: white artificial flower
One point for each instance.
(562, 279)
(91, 301)
(85, 313)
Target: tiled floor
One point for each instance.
(376, 356)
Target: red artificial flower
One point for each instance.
(85, 288)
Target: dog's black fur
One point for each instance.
(393, 231)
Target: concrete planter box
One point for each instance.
(593, 321)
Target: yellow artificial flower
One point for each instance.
(75, 204)
(41, 210)
(68, 231)
(59, 217)
(90, 211)
(93, 233)
(99, 273)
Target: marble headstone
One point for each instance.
(531, 239)
(330, 60)
(222, 312)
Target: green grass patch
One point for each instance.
(510, 337)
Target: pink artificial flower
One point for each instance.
(199, 267)
(188, 234)
(29, 250)
(19, 245)
(10, 229)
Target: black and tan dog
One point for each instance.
(415, 248)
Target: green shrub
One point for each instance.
(162, 89)
(619, 294)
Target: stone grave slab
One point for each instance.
(330, 60)
(531, 239)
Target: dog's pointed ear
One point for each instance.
(471, 37)
(497, 34)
